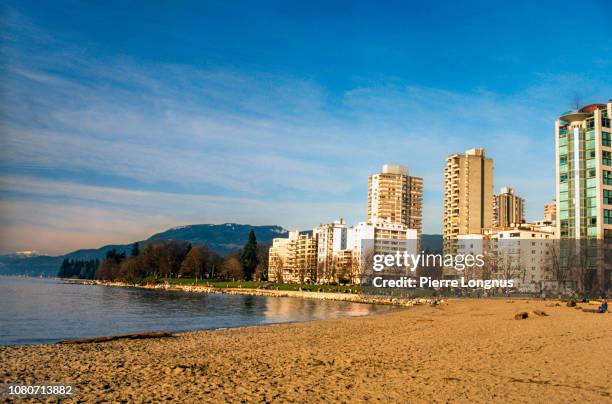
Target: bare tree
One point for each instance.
(231, 268)
(195, 262)
(584, 265)
(510, 269)
(552, 266)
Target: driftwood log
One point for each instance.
(540, 313)
(142, 335)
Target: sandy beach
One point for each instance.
(464, 350)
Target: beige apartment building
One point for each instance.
(468, 196)
(396, 197)
(331, 238)
(508, 208)
(293, 259)
(550, 212)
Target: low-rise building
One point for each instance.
(520, 253)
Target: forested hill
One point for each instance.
(222, 238)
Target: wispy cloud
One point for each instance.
(98, 214)
(108, 150)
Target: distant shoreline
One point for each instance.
(344, 297)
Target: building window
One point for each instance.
(607, 216)
(607, 196)
(606, 158)
(605, 122)
(563, 178)
(605, 139)
(607, 177)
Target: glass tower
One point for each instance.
(584, 173)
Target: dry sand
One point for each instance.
(466, 350)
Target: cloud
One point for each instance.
(111, 149)
(49, 210)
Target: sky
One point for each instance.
(122, 119)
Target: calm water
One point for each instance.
(34, 310)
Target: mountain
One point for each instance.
(222, 238)
(433, 242)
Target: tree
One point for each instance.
(261, 272)
(195, 262)
(248, 258)
(63, 272)
(554, 267)
(135, 250)
(130, 270)
(232, 268)
(510, 268)
(583, 265)
(175, 253)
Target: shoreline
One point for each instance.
(344, 297)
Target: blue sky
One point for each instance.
(119, 120)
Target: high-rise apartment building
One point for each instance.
(584, 173)
(550, 212)
(396, 197)
(468, 196)
(508, 208)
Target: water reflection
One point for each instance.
(41, 310)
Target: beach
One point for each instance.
(463, 350)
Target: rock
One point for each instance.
(571, 303)
(540, 313)
(521, 316)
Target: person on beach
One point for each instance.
(603, 308)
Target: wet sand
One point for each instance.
(465, 350)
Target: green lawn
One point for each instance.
(254, 285)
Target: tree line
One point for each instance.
(83, 269)
(181, 259)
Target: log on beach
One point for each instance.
(142, 335)
(589, 310)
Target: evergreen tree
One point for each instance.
(249, 259)
(135, 250)
(64, 268)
